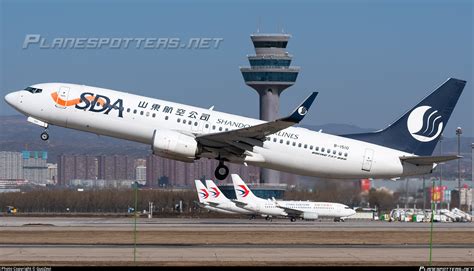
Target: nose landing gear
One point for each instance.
(222, 171)
(44, 136)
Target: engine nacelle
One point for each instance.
(310, 215)
(174, 145)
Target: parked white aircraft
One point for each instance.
(289, 208)
(219, 200)
(203, 196)
(187, 133)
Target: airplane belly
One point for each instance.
(110, 126)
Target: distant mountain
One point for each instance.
(17, 134)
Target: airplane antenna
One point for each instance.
(259, 23)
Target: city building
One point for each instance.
(35, 167)
(269, 74)
(264, 191)
(11, 165)
(140, 173)
(116, 167)
(72, 167)
(52, 175)
(166, 172)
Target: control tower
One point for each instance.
(269, 74)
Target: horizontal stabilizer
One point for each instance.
(239, 203)
(213, 204)
(202, 205)
(428, 160)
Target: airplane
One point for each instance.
(187, 133)
(306, 210)
(218, 200)
(203, 196)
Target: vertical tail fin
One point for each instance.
(419, 130)
(203, 194)
(215, 193)
(242, 191)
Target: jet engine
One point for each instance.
(310, 216)
(175, 145)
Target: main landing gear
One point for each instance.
(293, 219)
(222, 171)
(44, 135)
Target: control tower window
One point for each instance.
(270, 76)
(270, 62)
(33, 90)
(270, 44)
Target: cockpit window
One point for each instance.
(33, 90)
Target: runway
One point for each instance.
(192, 241)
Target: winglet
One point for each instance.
(298, 114)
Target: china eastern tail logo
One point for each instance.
(215, 192)
(204, 194)
(90, 101)
(244, 191)
(425, 123)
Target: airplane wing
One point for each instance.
(291, 211)
(238, 141)
(428, 160)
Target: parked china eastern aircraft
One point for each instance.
(288, 208)
(219, 200)
(203, 196)
(187, 133)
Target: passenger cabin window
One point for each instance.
(33, 90)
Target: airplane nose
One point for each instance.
(10, 98)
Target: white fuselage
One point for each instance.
(132, 117)
(277, 208)
(323, 209)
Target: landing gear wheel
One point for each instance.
(292, 219)
(222, 171)
(267, 218)
(44, 136)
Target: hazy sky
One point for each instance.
(370, 60)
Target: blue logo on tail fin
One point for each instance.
(425, 123)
